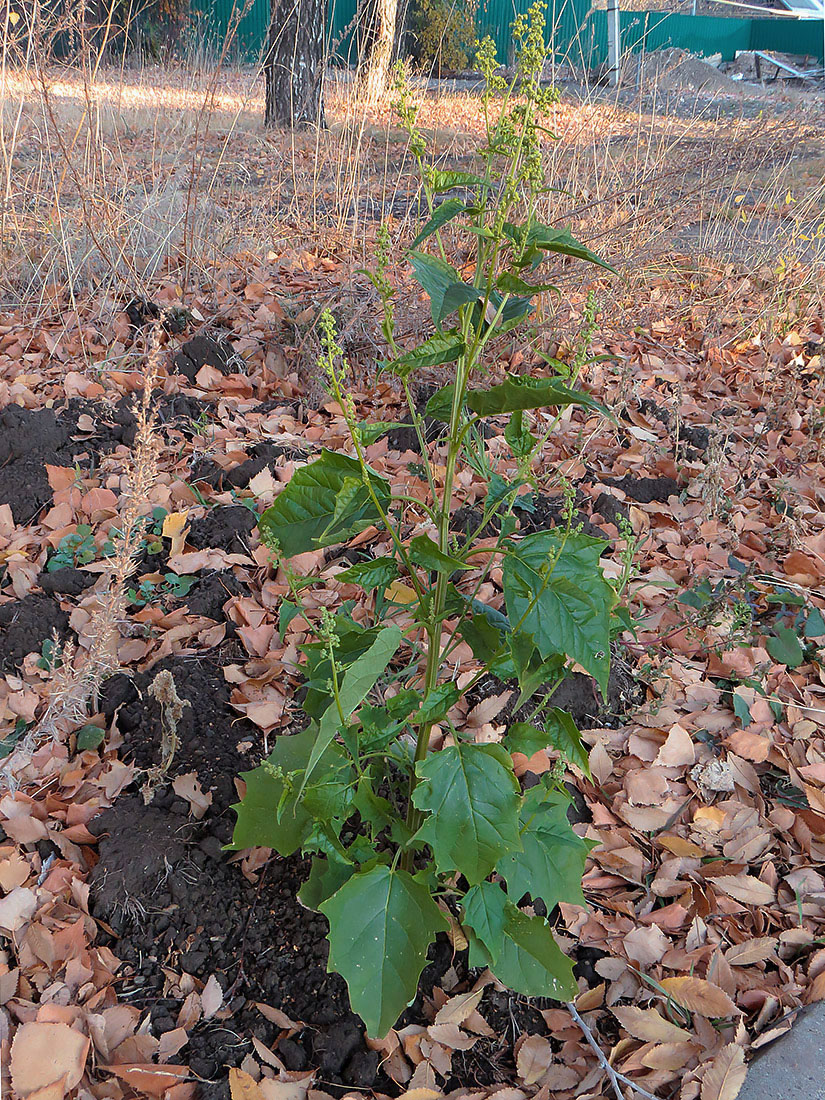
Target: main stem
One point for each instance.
(433, 667)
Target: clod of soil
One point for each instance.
(31, 440)
(211, 592)
(611, 509)
(646, 490)
(213, 740)
(544, 512)
(141, 311)
(226, 528)
(577, 694)
(68, 581)
(405, 437)
(262, 454)
(204, 351)
(26, 624)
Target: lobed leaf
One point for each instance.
(381, 924)
(550, 864)
(554, 587)
(472, 799)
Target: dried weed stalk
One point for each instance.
(163, 690)
(77, 682)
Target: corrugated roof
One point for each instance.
(804, 7)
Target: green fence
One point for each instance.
(244, 26)
(578, 34)
(700, 34)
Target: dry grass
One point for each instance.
(118, 180)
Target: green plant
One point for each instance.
(72, 550)
(405, 840)
(446, 33)
(148, 591)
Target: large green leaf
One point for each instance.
(445, 179)
(484, 639)
(270, 814)
(472, 800)
(368, 433)
(549, 239)
(485, 912)
(559, 731)
(518, 436)
(301, 518)
(514, 309)
(355, 685)
(545, 238)
(520, 392)
(375, 573)
(381, 923)
(436, 704)
(443, 347)
(425, 553)
(513, 284)
(784, 646)
(443, 213)
(554, 588)
(445, 287)
(551, 863)
(440, 405)
(530, 960)
(326, 876)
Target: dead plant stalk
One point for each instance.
(77, 682)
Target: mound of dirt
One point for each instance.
(678, 71)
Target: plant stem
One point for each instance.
(434, 655)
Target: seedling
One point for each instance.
(73, 550)
(407, 841)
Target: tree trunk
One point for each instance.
(377, 51)
(295, 63)
(403, 31)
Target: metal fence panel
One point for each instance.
(574, 32)
(700, 34)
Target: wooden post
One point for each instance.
(614, 45)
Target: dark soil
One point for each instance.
(31, 439)
(405, 437)
(209, 732)
(208, 472)
(203, 351)
(538, 512)
(68, 581)
(25, 624)
(577, 694)
(647, 490)
(174, 899)
(225, 528)
(211, 592)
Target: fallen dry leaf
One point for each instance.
(43, 1053)
(698, 995)
(211, 997)
(242, 1086)
(535, 1057)
(457, 1009)
(726, 1074)
(647, 1024)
